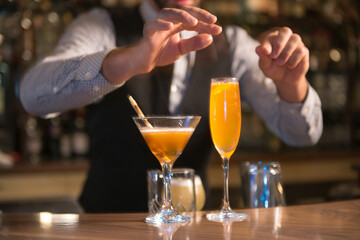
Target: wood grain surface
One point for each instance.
(335, 220)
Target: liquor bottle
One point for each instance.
(33, 140)
(80, 137)
(54, 136)
(66, 135)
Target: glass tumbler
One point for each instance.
(182, 190)
(262, 184)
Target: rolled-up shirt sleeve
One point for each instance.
(297, 124)
(301, 123)
(70, 76)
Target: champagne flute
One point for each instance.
(225, 126)
(167, 136)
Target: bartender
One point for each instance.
(164, 53)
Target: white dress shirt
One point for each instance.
(70, 77)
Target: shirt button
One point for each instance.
(96, 88)
(311, 130)
(174, 88)
(305, 110)
(88, 75)
(55, 89)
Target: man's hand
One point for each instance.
(161, 43)
(285, 59)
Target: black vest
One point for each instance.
(119, 155)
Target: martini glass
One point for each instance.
(167, 136)
(225, 126)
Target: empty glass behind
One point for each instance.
(261, 184)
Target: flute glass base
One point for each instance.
(167, 216)
(222, 216)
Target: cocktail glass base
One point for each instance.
(167, 216)
(222, 216)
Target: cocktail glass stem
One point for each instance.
(167, 181)
(226, 203)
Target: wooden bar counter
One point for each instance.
(335, 220)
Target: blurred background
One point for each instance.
(43, 163)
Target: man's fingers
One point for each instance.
(176, 20)
(202, 27)
(299, 55)
(201, 14)
(265, 61)
(265, 48)
(289, 49)
(157, 25)
(188, 16)
(177, 16)
(195, 43)
(278, 41)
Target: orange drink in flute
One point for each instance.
(225, 126)
(225, 116)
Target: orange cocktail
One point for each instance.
(166, 143)
(225, 116)
(166, 137)
(225, 126)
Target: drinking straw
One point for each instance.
(138, 110)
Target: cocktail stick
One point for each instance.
(138, 110)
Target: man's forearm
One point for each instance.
(122, 63)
